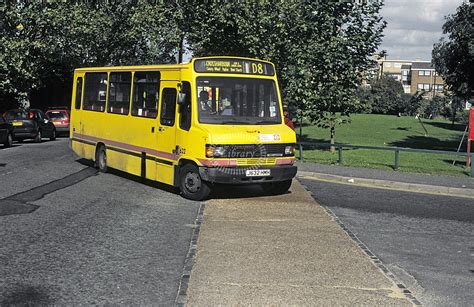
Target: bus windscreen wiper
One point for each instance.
(266, 122)
(235, 122)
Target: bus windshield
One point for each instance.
(240, 101)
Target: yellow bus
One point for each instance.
(192, 125)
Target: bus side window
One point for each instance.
(78, 93)
(119, 92)
(146, 89)
(168, 107)
(185, 108)
(95, 89)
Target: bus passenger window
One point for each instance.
(146, 89)
(119, 92)
(185, 108)
(78, 93)
(168, 106)
(95, 89)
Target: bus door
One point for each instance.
(75, 120)
(166, 132)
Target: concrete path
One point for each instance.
(282, 250)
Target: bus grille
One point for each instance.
(256, 161)
(254, 151)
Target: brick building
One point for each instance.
(425, 78)
(415, 76)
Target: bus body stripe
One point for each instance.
(121, 145)
(285, 161)
(216, 163)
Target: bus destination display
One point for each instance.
(234, 66)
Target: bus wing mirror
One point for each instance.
(181, 98)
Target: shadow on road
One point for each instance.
(27, 295)
(222, 191)
(148, 182)
(14, 145)
(219, 191)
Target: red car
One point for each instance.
(60, 117)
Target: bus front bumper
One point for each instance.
(238, 175)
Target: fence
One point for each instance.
(397, 151)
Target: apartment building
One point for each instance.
(425, 78)
(415, 76)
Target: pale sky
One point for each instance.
(414, 26)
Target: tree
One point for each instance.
(320, 48)
(57, 37)
(385, 96)
(453, 56)
(435, 106)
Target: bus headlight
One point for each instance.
(215, 151)
(290, 150)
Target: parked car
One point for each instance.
(6, 132)
(60, 117)
(30, 124)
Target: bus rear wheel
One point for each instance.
(101, 159)
(191, 184)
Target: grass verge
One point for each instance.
(384, 130)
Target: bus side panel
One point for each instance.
(165, 173)
(80, 148)
(139, 133)
(124, 162)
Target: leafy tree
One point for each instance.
(456, 105)
(385, 96)
(320, 48)
(453, 56)
(56, 37)
(435, 106)
(408, 104)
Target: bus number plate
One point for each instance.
(257, 172)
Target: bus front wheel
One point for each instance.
(101, 159)
(191, 184)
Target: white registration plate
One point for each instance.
(257, 172)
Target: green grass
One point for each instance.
(386, 130)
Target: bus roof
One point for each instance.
(136, 67)
(187, 65)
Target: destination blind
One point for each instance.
(234, 66)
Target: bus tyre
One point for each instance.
(38, 137)
(277, 188)
(101, 159)
(9, 141)
(191, 185)
(53, 135)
